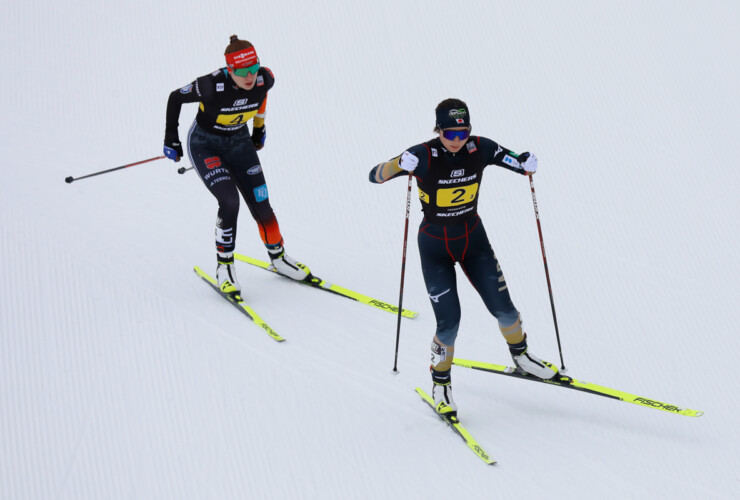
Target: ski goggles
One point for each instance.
(249, 70)
(451, 135)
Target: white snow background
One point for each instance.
(123, 376)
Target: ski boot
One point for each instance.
(528, 363)
(443, 400)
(226, 274)
(286, 266)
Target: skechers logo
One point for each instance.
(458, 180)
(457, 173)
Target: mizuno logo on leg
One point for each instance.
(435, 298)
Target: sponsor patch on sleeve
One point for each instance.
(510, 161)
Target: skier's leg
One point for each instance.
(206, 158)
(484, 271)
(250, 179)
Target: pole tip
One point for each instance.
(69, 179)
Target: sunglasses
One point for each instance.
(249, 70)
(451, 135)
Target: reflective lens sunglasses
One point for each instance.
(249, 70)
(451, 135)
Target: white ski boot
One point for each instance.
(443, 400)
(287, 266)
(226, 275)
(527, 362)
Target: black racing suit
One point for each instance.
(222, 152)
(452, 231)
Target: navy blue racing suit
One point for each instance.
(452, 231)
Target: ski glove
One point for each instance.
(173, 149)
(258, 137)
(528, 162)
(408, 162)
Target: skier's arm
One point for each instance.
(386, 171)
(259, 118)
(259, 133)
(199, 90)
(398, 166)
(523, 163)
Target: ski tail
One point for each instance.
(237, 301)
(461, 431)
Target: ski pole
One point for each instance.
(182, 170)
(547, 272)
(71, 179)
(403, 273)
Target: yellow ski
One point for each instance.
(239, 303)
(316, 282)
(458, 428)
(578, 385)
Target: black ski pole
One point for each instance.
(403, 272)
(547, 272)
(71, 179)
(182, 170)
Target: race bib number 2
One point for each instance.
(452, 197)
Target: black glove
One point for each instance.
(173, 148)
(258, 137)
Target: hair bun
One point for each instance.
(233, 38)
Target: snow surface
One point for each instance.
(123, 376)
